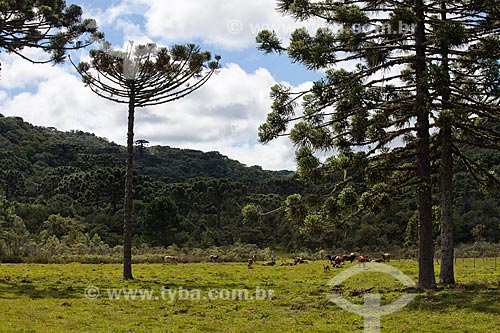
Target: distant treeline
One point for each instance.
(66, 188)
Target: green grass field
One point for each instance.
(51, 298)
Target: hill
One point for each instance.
(77, 174)
(61, 183)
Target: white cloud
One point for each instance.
(224, 115)
(62, 101)
(229, 24)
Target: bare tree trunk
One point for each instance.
(446, 274)
(128, 204)
(426, 279)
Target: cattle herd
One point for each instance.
(337, 261)
(334, 261)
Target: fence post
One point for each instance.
(495, 263)
(474, 261)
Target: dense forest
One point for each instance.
(59, 190)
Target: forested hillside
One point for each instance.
(189, 197)
(68, 186)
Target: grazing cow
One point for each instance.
(252, 260)
(350, 257)
(298, 260)
(386, 257)
(269, 263)
(338, 260)
(330, 257)
(214, 257)
(362, 260)
(170, 259)
(326, 267)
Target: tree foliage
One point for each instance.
(48, 25)
(394, 70)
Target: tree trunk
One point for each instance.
(426, 279)
(446, 274)
(128, 205)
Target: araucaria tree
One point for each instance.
(47, 25)
(464, 71)
(142, 76)
(387, 65)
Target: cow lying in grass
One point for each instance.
(299, 260)
(170, 260)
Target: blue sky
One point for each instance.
(224, 115)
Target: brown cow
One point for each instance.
(338, 260)
(300, 260)
(362, 260)
(386, 257)
(350, 257)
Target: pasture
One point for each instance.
(198, 298)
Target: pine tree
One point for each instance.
(145, 75)
(417, 66)
(465, 73)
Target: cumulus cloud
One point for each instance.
(226, 24)
(52, 96)
(222, 116)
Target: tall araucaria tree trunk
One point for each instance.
(128, 200)
(446, 274)
(426, 279)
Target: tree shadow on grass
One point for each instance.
(11, 289)
(477, 297)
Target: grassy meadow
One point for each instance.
(197, 298)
